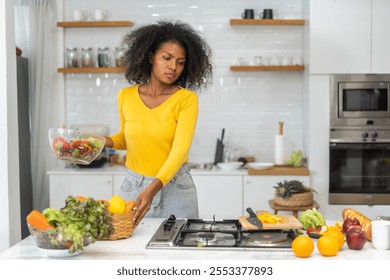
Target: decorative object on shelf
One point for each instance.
(279, 145)
(267, 14)
(80, 15)
(72, 57)
(293, 193)
(86, 57)
(101, 15)
(119, 52)
(248, 14)
(103, 57)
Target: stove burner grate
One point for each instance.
(266, 237)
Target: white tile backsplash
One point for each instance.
(247, 104)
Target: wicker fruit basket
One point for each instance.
(298, 199)
(123, 226)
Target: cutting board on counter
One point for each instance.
(280, 170)
(290, 222)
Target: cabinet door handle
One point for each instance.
(248, 182)
(109, 182)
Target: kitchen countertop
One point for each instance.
(121, 170)
(133, 248)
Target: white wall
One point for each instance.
(10, 230)
(247, 104)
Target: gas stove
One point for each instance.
(211, 234)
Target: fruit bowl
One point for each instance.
(52, 242)
(74, 146)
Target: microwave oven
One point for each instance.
(359, 100)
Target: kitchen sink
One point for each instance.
(201, 166)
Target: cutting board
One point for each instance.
(290, 222)
(282, 170)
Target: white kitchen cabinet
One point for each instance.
(96, 186)
(219, 195)
(340, 36)
(380, 37)
(259, 189)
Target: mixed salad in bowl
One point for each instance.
(74, 146)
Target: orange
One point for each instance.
(303, 246)
(328, 245)
(129, 205)
(338, 235)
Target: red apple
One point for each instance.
(349, 222)
(356, 237)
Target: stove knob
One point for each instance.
(374, 134)
(364, 135)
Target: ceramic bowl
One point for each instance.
(230, 165)
(74, 146)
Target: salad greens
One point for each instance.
(312, 218)
(83, 149)
(80, 220)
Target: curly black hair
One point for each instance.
(143, 42)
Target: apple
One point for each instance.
(349, 222)
(356, 237)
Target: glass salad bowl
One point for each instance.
(74, 146)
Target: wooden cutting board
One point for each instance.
(280, 170)
(290, 222)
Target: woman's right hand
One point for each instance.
(145, 199)
(109, 143)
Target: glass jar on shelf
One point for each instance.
(119, 52)
(86, 57)
(103, 57)
(72, 58)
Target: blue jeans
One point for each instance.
(178, 197)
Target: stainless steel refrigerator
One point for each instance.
(26, 204)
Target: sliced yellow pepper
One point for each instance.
(268, 218)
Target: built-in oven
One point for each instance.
(360, 100)
(359, 166)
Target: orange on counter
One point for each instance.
(303, 246)
(328, 246)
(336, 234)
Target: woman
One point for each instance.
(158, 117)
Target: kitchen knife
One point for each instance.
(219, 149)
(253, 219)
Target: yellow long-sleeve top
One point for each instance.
(157, 140)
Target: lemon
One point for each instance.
(117, 205)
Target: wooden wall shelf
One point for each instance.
(267, 68)
(267, 22)
(95, 24)
(90, 70)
